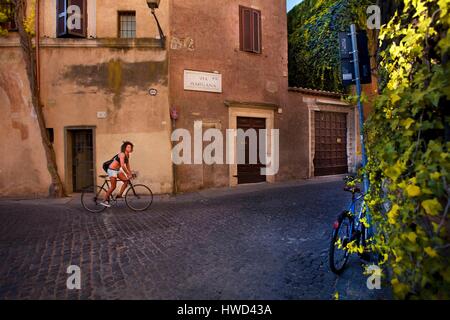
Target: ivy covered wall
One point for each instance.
(313, 28)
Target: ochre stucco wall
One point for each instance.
(82, 82)
(80, 77)
(24, 169)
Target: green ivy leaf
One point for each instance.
(432, 207)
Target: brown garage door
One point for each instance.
(330, 143)
(250, 173)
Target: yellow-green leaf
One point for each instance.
(411, 236)
(435, 175)
(394, 172)
(393, 213)
(407, 122)
(400, 289)
(431, 252)
(336, 296)
(432, 207)
(365, 223)
(394, 98)
(413, 191)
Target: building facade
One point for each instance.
(223, 66)
(243, 43)
(95, 84)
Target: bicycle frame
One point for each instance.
(352, 208)
(353, 223)
(357, 216)
(108, 186)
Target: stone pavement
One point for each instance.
(252, 242)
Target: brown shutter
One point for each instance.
(246, 29)
(83, 7)
(256, 31)
(61, 18)
(250, 29)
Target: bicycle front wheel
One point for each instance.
(139, 197)
(92, 197)
(342, 232)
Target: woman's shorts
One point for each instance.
(113, 173)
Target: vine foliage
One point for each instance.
(313, 28)
(408, 148)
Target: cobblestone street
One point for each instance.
(257, 242)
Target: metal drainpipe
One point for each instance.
(174, 168)
(38, 73)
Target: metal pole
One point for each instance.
(161, 33)
(174, 169)
(361, 114)
(37, 45)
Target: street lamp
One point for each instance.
(154, 4)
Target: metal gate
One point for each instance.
(250, 173)
(330, 143)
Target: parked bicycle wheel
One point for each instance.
(92, 197)
(342, 232)
(139, 197)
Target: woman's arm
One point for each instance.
(123, 165)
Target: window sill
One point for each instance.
(101, 42)
(119, 43)
(251, 52)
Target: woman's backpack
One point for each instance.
(107, 164)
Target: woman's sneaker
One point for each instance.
(105, 204)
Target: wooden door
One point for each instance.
(330, 143)
(82, 159)
(250, 173)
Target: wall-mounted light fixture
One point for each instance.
(153, 5)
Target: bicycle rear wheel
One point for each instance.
(92, 197)
(338, 255)
(139, 197)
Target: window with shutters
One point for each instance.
(250, 29)
(71, 18)
(8, 21)
(127, 24)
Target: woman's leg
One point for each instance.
(125, 181)
(113, 187)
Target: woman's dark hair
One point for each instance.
(125, 145)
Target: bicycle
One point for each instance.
(349, 228)
(138, 197)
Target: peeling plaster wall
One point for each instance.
(83, 82)
(24, 168)
(79, 78)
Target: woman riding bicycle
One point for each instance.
(119, 169)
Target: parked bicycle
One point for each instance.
(349, 230)
(138, 197)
